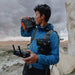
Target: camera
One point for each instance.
(29, 24)
(20, 53)
(44, 46)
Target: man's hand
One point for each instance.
(23, 26)
(32, 59)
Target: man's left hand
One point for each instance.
(32, 58)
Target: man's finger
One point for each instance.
(27, 59)
(29, 51)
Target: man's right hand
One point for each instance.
(23, 26)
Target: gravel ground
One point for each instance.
(9, 63)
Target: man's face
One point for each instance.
(38, 18)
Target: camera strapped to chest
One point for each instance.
(44, 44)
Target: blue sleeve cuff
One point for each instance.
(48, 60)
(42, 59)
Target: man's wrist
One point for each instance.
(36, 58)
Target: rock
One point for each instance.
(72, 15)
(68, 2)
(66, 63)
(54, 71)
(70, 6)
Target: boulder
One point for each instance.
(66, 64)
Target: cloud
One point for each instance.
(11, 12)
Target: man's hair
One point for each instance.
(44, 9)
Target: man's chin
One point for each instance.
(37, 23)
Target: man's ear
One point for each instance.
(43, 16)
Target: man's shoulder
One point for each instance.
(54, 34)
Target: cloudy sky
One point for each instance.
(11, 12)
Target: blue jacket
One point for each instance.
(43, 60)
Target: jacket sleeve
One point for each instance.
(25, 33)
(53, 58)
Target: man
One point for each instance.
(39, 61)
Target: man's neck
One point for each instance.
(43, 24)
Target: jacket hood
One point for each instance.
(47, 27)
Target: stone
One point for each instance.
(68, 2)
(54, 71)
(72, 15)
(70, 7)
(66, 64)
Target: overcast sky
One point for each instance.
(11, 11)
